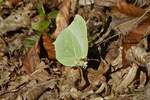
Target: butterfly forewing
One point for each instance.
(72, 44)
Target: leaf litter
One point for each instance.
(118, 56)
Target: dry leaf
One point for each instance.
(113, 53)
(136, 55)
(49, 46)
(75, 94)
(40, 74)
(135, 36)
(73, 75)
(128, 79)
(95, 78)
(129, 9)
(32, 59)
(16, 20)
(18, 82)
(86, 2)
(4, 77)
(62, 19)
(11, 3)
(72, 79)
(143, 79)
(107, 3)
(37, 90)
(52, 3)
(103, 89)
(3, 48)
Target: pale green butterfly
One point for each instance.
(71, 45)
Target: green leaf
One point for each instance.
(40, 25)
(40, 8)
(1, 2)
(30, 41)
(53, 14)
(71, 45)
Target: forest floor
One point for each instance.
(118, 53)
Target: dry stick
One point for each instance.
(138, 20)
(101, 39)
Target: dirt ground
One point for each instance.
(118, 53)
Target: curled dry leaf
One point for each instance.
(113, 55)
(32, 59)
(125, 25)
(129, 9)
(62, 19)
(3, 48)
(72, 79)
(40, 74)
(135, 36)
(101, 88)
(128, 79)
(35, 92)
(107, 3)
(143, 79)
(73, 75)
(73, 7)
(75, 94)
(136, 55)
(97, 98)
(16, 20)
(52, 3)
(95, 78)
(49, 46)
(11, 3)
(86, 2)
(18, 82)
(15, 43)
(4, 77)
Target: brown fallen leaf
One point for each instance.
(97, 78)
(128, 78)
(113, 54)
(143, 79)
(17, 20)
(32, 59)
(49, 46)
(40, 74)
(62, 19)
(107, 3)
(13, 3)
(135, 36)
(73, 79)
(5, 77)
(34, 92)
(73, 75)
(137, 55)
(75, 94)
(129, 9)
(102, 88)
(3, 48)
(87, 2)
(52, 3)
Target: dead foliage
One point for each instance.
(118, 66)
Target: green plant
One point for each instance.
(41, 24)
(1, 1)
